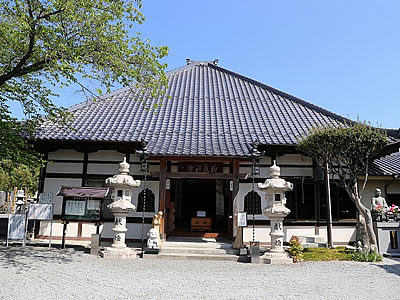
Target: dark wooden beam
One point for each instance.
(198, 158)
(85, 146)
(84, 170)
(163, 193)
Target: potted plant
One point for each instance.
(394, 209)
(378, 213)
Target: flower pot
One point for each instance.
(375, 216)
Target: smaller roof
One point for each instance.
(82, 192)
(388, 165)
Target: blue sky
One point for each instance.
(340, 55)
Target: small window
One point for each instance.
(149, 205)
(119, 193)
(252, 203)
(277, 197)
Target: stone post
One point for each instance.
(276, 211)
(121, 206)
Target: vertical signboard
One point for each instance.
(16, 227)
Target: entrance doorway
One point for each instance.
(204, 198)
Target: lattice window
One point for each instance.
(252, 203)
(150, 198)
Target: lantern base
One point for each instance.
(276, 258)
(118, 253)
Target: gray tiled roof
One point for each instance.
(211, 111)
(388, 165)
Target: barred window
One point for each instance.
(149, 206)
(252, 203)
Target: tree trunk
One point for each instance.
(367, 218)
(368, 224)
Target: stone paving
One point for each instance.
(43, 273)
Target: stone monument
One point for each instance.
(276, 211)
(154, 239)
(122, 184)
(157, 224)
(378, 201)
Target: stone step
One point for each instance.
(195, 256)
(196, 245)
(314, 245)
(311, 239)
(199, 250)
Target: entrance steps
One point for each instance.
(198, 248)
(312, 241)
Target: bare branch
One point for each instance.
(45, 16)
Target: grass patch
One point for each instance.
(325, 254)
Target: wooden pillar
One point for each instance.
(235, 177)
(84, 170)
(163, 194)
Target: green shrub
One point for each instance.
(326, 254)
(296, 249)
(366, 256)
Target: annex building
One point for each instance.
(199, 146)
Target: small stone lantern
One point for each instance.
(122, 184)
(276, 211)
(20, 201)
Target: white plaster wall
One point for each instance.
(372, 184)
(106, 155)
(102, 169)
(262, 234)
(52, 185)
(294, 159)
(340, 234)
(72, 229)
(66, 154)
(69, 168)
(88, 229)
(154, 168)
(134, 157)
(264, 171)
(297, 230)
(134, 230)
(301, 171)
(154, 187)
(245, 188)
(266, 160)
(134, 170)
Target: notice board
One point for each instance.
(16, 227)
(38, 211)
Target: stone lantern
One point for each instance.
(121, 206)
(276, 211)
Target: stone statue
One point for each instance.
(157, 221)
(153, 241)
(378, 200)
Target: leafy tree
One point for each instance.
(346, 151)
(56, 43)
(20, 176)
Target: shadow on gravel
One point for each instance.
(394, 268)
(24, 258)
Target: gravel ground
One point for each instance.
(43, 273)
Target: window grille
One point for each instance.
(150, 197)
(252, 203)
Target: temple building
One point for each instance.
(199, 147)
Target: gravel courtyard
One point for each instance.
(42, 273)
